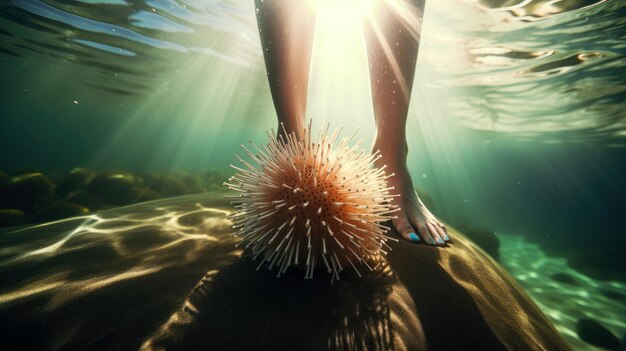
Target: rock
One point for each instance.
(148, 195)
(77, 179)
(54, 176)
(149, 179)
(170, 186)
(564, 278)
(24, 171)
(4, 178)
(27, 192)
(87, 199)
(167, 275)
(597, 335)
(486, 239)
(9, 217)
(116, 187)
(194, 183)
(58, 210)
(213, 179)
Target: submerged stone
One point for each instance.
(148, 195)
(87, 199)
(149, 179)
(170, 186)
(595, 334)
(77, 179)
(116, 187)
(58, 210)
(213, 179)
(167, 275)
(9, 217)
(4, 178)
(27, 192)
(193, 182)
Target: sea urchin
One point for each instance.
(308, 203)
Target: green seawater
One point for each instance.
(517, 124)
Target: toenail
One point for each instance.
(414, 237)
(439, 240)
(430, 241)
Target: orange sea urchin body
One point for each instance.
(306, 203)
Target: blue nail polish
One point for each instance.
(414, 237)
(439, 240)
(431, 241)
(447, 238)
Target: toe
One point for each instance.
(424, 232)
(404, 228)
(435, 234)
(441, 229)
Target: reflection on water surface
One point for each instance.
(545, 70)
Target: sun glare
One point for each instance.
(338, 12)
(339, 80)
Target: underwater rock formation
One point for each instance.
(4, 178)
(166, 275)
(87, 199)
(32, 197)
(116, 187)
(194, 182)
(148, 195)
(76, 180)
(170, 186)
(27, 192)
(58, 210)
(10, 217)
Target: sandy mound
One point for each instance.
(166, 275)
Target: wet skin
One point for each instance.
(286, 30)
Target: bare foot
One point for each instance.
(415, 222)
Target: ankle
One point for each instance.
(392, 150)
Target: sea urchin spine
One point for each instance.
(306, 203)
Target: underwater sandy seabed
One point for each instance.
(162, 239)
(564, 303)
(166, 274)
